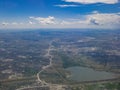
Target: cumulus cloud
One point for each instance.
(96, 20)
(93, 20)
(93, 1)
(104, 18)
(65, 5)
(30, 22)
(44, 21)
(5, 23)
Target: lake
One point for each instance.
(88, 74)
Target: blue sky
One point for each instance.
(60, 14)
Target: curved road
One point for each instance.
(47, 66)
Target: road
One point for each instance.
(52, 86)
(55, 86)
(47, 66)
(42, 82)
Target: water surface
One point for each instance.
(88, 74)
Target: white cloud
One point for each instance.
(44, 21)
(14, 23)
(5, 23)
(95, 12)
(30, 22)
(104, 18)
(93, 1)
(94, 20)
(65, 5)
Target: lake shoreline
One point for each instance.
(89, 74)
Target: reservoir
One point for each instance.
(88, 74)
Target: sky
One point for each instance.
(96, 14)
